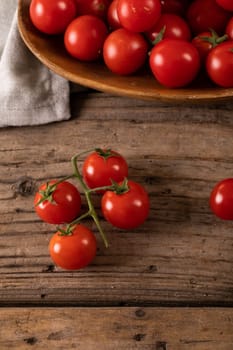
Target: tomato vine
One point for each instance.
(56, 202)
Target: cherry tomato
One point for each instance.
(85, 36)
(219, 64)
(221, 199)
(138, 15)
(175, 27)
(97, 8)
(52, 17)
(112, 16)
(124, 52)
(62, 205)
(203, 44)
(177, 7)
(102, 166)
(229, 29)
(174, 63)
(74, 251)
(226, 4)
(127, 210)
(204, 15)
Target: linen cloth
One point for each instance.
(30, 94)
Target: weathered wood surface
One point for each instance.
(116, 328)
(181, 255)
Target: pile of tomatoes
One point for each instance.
(176, 39)
(124, 204)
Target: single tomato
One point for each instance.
(57, 204)
(97, 8)
(85, 36)
(126, 208)
(172, 25)
(112, 16)
(219, 64)
(174, 63)
(229, 29)
(221, 199)
(102, 166)
(53, 16)
(177, 7)
(124, 51)
(75, 250)
(206, 41)
(203, 15)
(226, 4)
(138, 15)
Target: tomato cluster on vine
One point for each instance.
(124, 204)
(178, 40)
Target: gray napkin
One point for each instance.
(30, 94)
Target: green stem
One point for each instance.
(115, 187)
(91, 212)
(102, 188)
(61, 180)
(80, 218)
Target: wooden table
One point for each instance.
(167, 285)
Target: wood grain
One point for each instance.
(116, 328)
(181, 255)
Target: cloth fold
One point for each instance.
(30, 94)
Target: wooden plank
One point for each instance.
(116, 328)
(182, 254)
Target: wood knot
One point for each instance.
(140, 313)
(152, 268)
(161, 345)
(31, 340)
(139, 336)
(25, 186)
(150, 180)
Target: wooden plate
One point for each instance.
(51, 52)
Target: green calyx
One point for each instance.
(120, 188)
(67, 232)
(104, 153)
(47, 193)
(214, 39)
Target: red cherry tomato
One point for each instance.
(219, 64)
(226, 4)
(177, 7)
(229, 29)
(97, 8)
(124, 52)
(74, 251)
(85, 36)
(112, 16)
(221, 199)
(203, 45)
(102, 166)
(52, 17)
(175, 27)
(63, 204)
(138, 15)
(126, 210)
(204, 15)
(174, 63)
